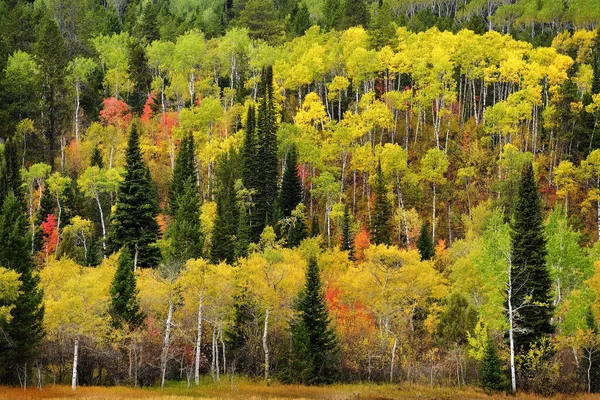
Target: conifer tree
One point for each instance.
(10, 171)
(315, 331)
(356, 13)
(531, 281)
(146, 27)
(185, 167)
(297, 230)
(492, 376)
(425, 244)
(249, 158)
(185, 231)
(140, 74)
(124, 306)
(347, 240)
(20, 338)
(243, 235)
(383, 29)
(382, 210)
(291, 187)
(134, 223)
(266, 161)
(333, 12)
(315, 229)
(301, 19)
(96, 159)
(225, 226)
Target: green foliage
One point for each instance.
(226, 222)
(531, 278)
(381, 231)
(356, 13)
(457, 321)
(491, 370)
(22, 335)
(184, 169)
(347, 239)
(290, 194)
(134, 222)
(425, 244)
(125, 309)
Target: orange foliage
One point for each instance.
(115, 112)
(50, 231)
(147, 112)
(362, 241)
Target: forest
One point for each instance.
(300, 191)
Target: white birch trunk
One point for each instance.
(265, 347)
(511, 323)
(103, 224)
(165, 349)
(75, 360)
(198, 342)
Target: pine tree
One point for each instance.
(124, 306)
(21, 337)
(249, 152)
(383, 30)
(381, 230)
(146, 27)
(301, 20)
(10, 171)
(243, 234)
(425, 243)
(134, 223)
(140, 74)
(290, 194)
(531, 279)
(267, 164)
(320, 339)
(96, 159)
(347, 240)
(225, 226)
(185, 167)
(185, 231)
(356, 13)
(492, 376)
(315, 229)
(333, 12)
(297, 229)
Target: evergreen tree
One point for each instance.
(356, 13)
(225, 226)
(52, 58)
(531, 279)
(261, 19)
(314, 331)
(291, 186)
(96, 159)
(333, 12)
(241, 328)
(492, 376)
(20, 338)
(381, 230)
(185, 231)
(184, 169)
(243, 234)
(301, 20)
(383, 30)
(297, 229)
(266, 161)
(134, 223)
(347, 240)
(249, 152)
(146, 27)
(10, 172)
(140, 74)
(315, 229)
(425, 243)
(124, 306)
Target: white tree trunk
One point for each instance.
(393, 359)
(511, 339)
(77, 106)
(165, 349)
(103, 224)
(75, 360)
(433, 219)
(265, 347)
(198, 342)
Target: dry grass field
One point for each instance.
(249, 390)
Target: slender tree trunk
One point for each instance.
(265, 347)
(75, 361)
(433, 219)
(589, 370)
(393, 359)
(511, 323)
(103, 224)
(198, 341)
(165, 349)
(77, 107)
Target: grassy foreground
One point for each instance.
(249, 390)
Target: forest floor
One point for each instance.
(251, 390)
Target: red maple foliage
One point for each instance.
(115, 112)
(50, 232)
(361, 243)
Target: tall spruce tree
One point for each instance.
(134, 223)
(315, 229)
(425, 243)
(225, 226)
(290, 194)
(381, 230)
(184, 169)
(333, 12)
(347, 240)
(266, 161)
(21, 337)
(242, 235)
(382, 31)
(10, 171)
(492, 376)
(531, 281)
(356, 13)
(124, 305)
(249, 161)
(140, 74)
(313, 331)
(185, 231)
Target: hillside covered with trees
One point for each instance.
(303, 191)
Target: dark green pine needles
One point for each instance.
(425, 244)
(314, 343)
(531, 279)
(20, 338)
(382, 210)
(124, 307)
(134, 223)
